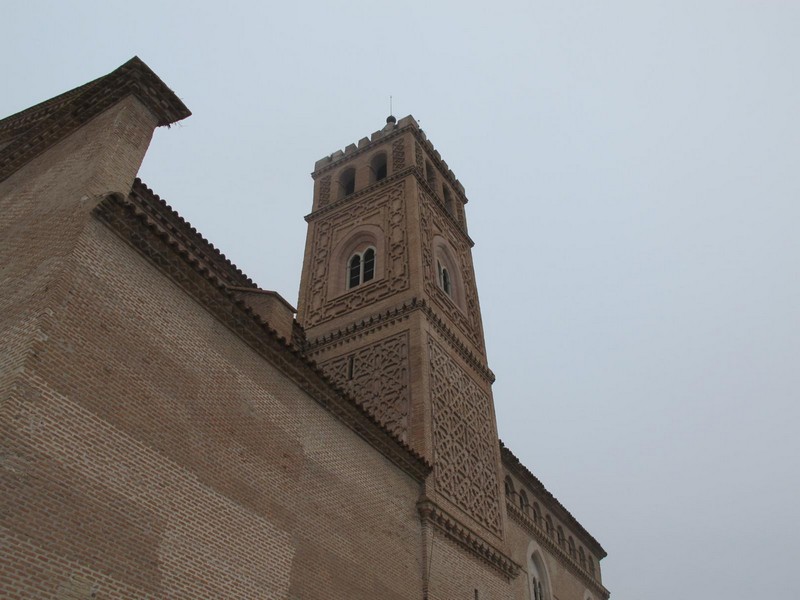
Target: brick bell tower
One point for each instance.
(390, 310)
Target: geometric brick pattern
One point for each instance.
(463, 439)
(389, 210)
(432, 224)
(377, 377)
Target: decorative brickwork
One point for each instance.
(398, 155)
(377, 377)
(387, 208)
(324, 191)
(464, 439)
(420, 158)
(432, 223)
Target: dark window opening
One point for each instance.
(361, 268)
(379, 167)
(354, 271)
(430, 175)
(350, 366)
(448, 201)
(444, 279)
(369, 264)
(347, 182)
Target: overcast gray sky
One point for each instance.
(632, 169)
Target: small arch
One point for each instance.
(361, 268)
(590, 563)
(351, 261)
(572, 552)
(347, 182)
(509, 487)
(523, 501)
(560, 535)
(443, 275)
(448, 201)
(446, 272)
(537, 513)
(430, 174)
(538, 576)
(379, 167)
(548, 525)
(582, 557)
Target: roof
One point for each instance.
(519, 469)
(28, 133)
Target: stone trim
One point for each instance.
(552, 546)
(126, 219)
(467, 539)
(515, 466)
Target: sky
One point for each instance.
(633, 176)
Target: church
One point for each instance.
(172, 430)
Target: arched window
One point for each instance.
(590, 562)
(448, 201)
(430, 175)
(548, 525)
(582, 557)
(523, 501)
(444, 278)
(509, 485)
(379, 167)
(539, 581)
(361, 268)
(560, 534)
(537, 514)
(572, 551)
(347, 182)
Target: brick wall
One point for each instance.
(147, 451)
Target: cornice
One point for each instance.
(39, 127)
(391, 316)
(548, 542)
(467, 539)
(127, 220)
(513, 464)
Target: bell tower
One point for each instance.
(390, 309)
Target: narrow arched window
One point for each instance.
(560, 534)
(448, 201)
(582, 557)
(523, 501)
(354, 271)
(509, 487)
(368, 269)
(444, 278)
(590, 562)
(361, 268)
(379, 167)
(572, 551)
(537, 514)
(347, 182)
(430, 175)
(548, 525)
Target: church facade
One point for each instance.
(171, 430)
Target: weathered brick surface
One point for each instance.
(157, 441)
